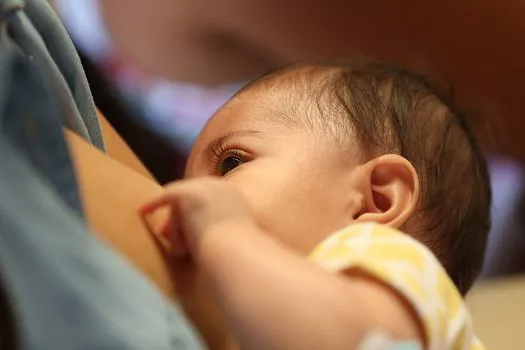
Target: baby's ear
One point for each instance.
(389, 186)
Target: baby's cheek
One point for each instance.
(277, 218)
(281, 204)
(284, 225)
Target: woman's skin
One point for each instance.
(474, 45)
(113, 187)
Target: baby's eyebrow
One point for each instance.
(225, 138)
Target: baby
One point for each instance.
(326, 205)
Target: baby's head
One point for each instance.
(316, 148)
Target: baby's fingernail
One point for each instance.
(147, 208)
(166, 230)
(160, 230)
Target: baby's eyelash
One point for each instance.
(221, 151)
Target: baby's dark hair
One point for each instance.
(396, 111)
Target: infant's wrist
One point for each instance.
(223, 239)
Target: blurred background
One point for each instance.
(158, 70)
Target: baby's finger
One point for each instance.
(169, 230)
(178, 245)
(166, 228)
(156, 203)
(172, 233)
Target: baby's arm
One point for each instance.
(271, 297)
(275, 299)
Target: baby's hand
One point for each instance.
(197, 206)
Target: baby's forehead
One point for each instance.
(294, 97)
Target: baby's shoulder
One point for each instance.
(410, 269)
(371, 241)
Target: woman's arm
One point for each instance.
(474, 45)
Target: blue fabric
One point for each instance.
(53, 77)
(36, 30)
(379, 340)
(67, 290)
(30, 120)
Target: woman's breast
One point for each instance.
(111, 194)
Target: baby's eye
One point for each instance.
(229, 163)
